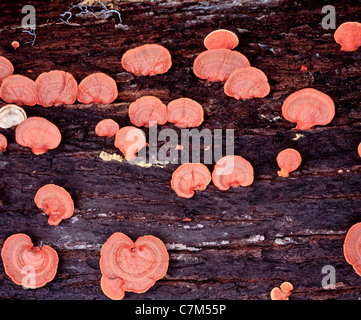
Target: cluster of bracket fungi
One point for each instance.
(135, 266)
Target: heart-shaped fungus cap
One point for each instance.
(221, 39)
(283, 292)
(288, 160)
(129, 266)
(3, 143)
(6, 68)
(26, 265)
(190, 177)
(129, 140)
(348, 35)
(56, 202)
(98, 88)
(308, 107)
(185, 113)
(232, 171)
(147, 111)
(11, 115)
(352, 247)
(38, 134)
(147, 60)
(247, 83)
(19, 89)
(106, 128)
(56, 88)
(218, 64)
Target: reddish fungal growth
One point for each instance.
(147, 111)
(283, 292)
(3, 143)
(19, 89)
(6, 68)
(218, 64)
(98, 88)
(56, 202)
(359, 150)
(348, 35)
(106, 128)
(129, 140)
(232, 171)
(56, 88)
(185, 113)
(247, 83)
(15, 44)
(221, 39)
(129, 266)
(190, 177)
(288, 160)
(26, 265)
(147, 60)
(352, 247)
(38, 134)
(308, 107)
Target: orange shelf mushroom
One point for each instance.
(247, 83)
(190, 177)
(98, 88)
(352, 247)
(129, 266)
(11, 115)
(3, 143)
(129, 140)
(26, 265)
(6, 68)
(147, 60)
(147, 111)
(308, 107)
(15, 44)
(288, 160)
(106, 128)
(232, 171)
(185, 113)
(38, 134)
(19, 89)
(56, 88)
(221, 39)
(218, 64)
(348, 35)
(359, 149)
(283, 292)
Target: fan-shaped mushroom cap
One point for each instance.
(38, 134)
(147, 60)
(283, 292)
(3, 143)
(6, 68)
(19, 89)
(185, 113)
(129, 266)
(221, 39)
(106, 128)
(98, 88)
(129, 140)
(359, 149)
(288, 160)
(15, 44)
(56, 88)
(232, 171)
(147, 111)
(11, 115)
(352, 247)
(26, 265)
(56, 202)
(218, 64)
(308, 107)
(247, 83)
(190, 177)
(348, 35)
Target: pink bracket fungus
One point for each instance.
(11, 115)
(106, 128)
(3, 143)
(185, 113)
(348, 35)
(129, 140)
(6, 68)
(352, 247)
(283, 292)
(147, 111)
(288, 160)
(129, 266)
(15, 44)
(19, 89)
(221, 39)
(359, 149)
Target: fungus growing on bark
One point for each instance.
(288, 160)
(15, 44)
(26, 265)
(6, 68)
(19, 89)
(308, 107)
(56, 88)
(232, 171)
(38, 134)
(129, 266)
(129, 140)
(56, 202)
(147, 111)
(106, 128)
(359, 149)
(190, 177)
(11, 115)
(348, 35)
(185, 113)
(147, 60)
(3, 143)
(247, 83)
(352, 247)
(283, 292)
(221, 39)
(218, 64)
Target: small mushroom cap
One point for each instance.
(19, 89)
(348, 35)
(3, 143)
(38, 134)
(283, 292)
(308, 107)
(26, 265)
(11, 115)
(221, 39)
(352, 247)
(129, 266)
(15, 44)
(147, 60)
(185, 113)
(359, 149)
(106, 128)
(288, 160)
(247, 83)
(232, 171)
(98, 88)
(56, 88)
(56, 202)
(6, 68)
(129, 140)
(147, 111)
(218, 64)
(190, 177)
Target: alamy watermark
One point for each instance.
(329, 280)
(329, 20)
